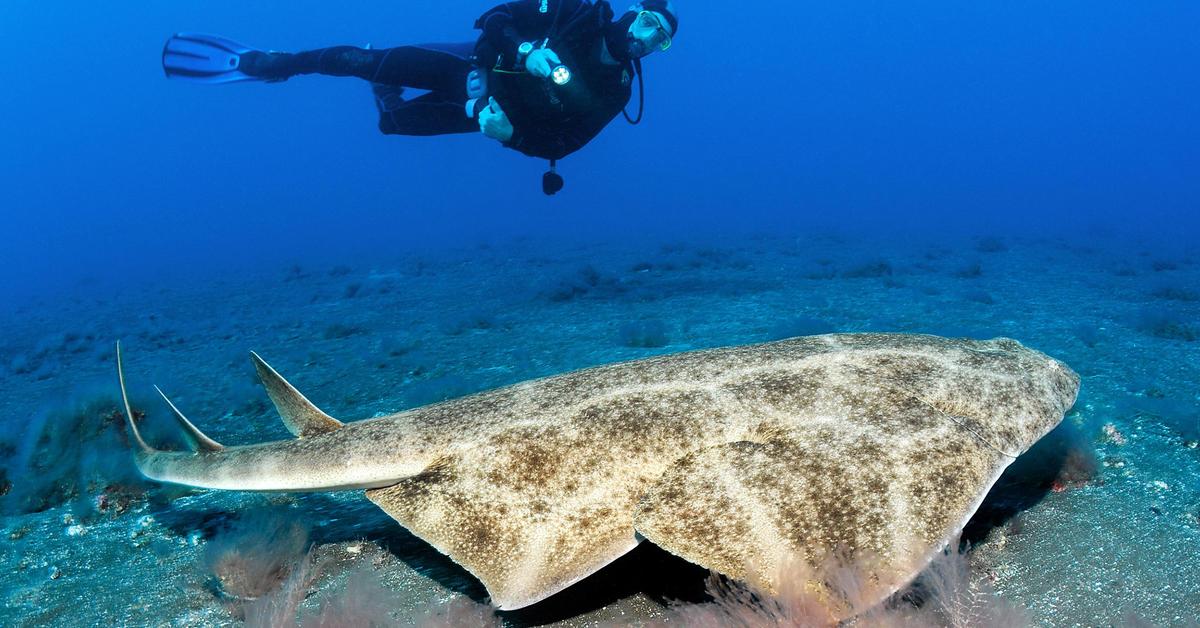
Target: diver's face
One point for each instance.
(648, 33)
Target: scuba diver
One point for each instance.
(544, 78)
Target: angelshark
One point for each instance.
(877, 446)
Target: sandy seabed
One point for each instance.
(1098, 525)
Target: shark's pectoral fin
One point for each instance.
(302, 418)
(814, 501)
(519, 541)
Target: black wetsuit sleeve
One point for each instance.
(509, 25)
(561, 140)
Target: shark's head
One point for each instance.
(1024, 395)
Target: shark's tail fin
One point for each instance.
(302, 418)
(195, 438)
(143, 448)
(288, 465)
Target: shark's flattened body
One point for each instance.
(877, 445)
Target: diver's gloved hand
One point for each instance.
(493, 122)
(541, 61)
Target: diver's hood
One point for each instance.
(621, 45)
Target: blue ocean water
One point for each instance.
(1008, 169)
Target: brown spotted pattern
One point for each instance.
(873, 444)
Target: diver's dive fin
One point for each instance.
(302, 418)
(204, 59)
(195, 437)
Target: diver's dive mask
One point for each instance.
(647, 33)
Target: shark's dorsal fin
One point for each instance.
(302, 418)
(195, 437)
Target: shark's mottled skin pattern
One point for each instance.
(872, 445)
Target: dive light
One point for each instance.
(561, 75)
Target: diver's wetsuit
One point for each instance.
(553, 121)
(549, 121)
(440, 68)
